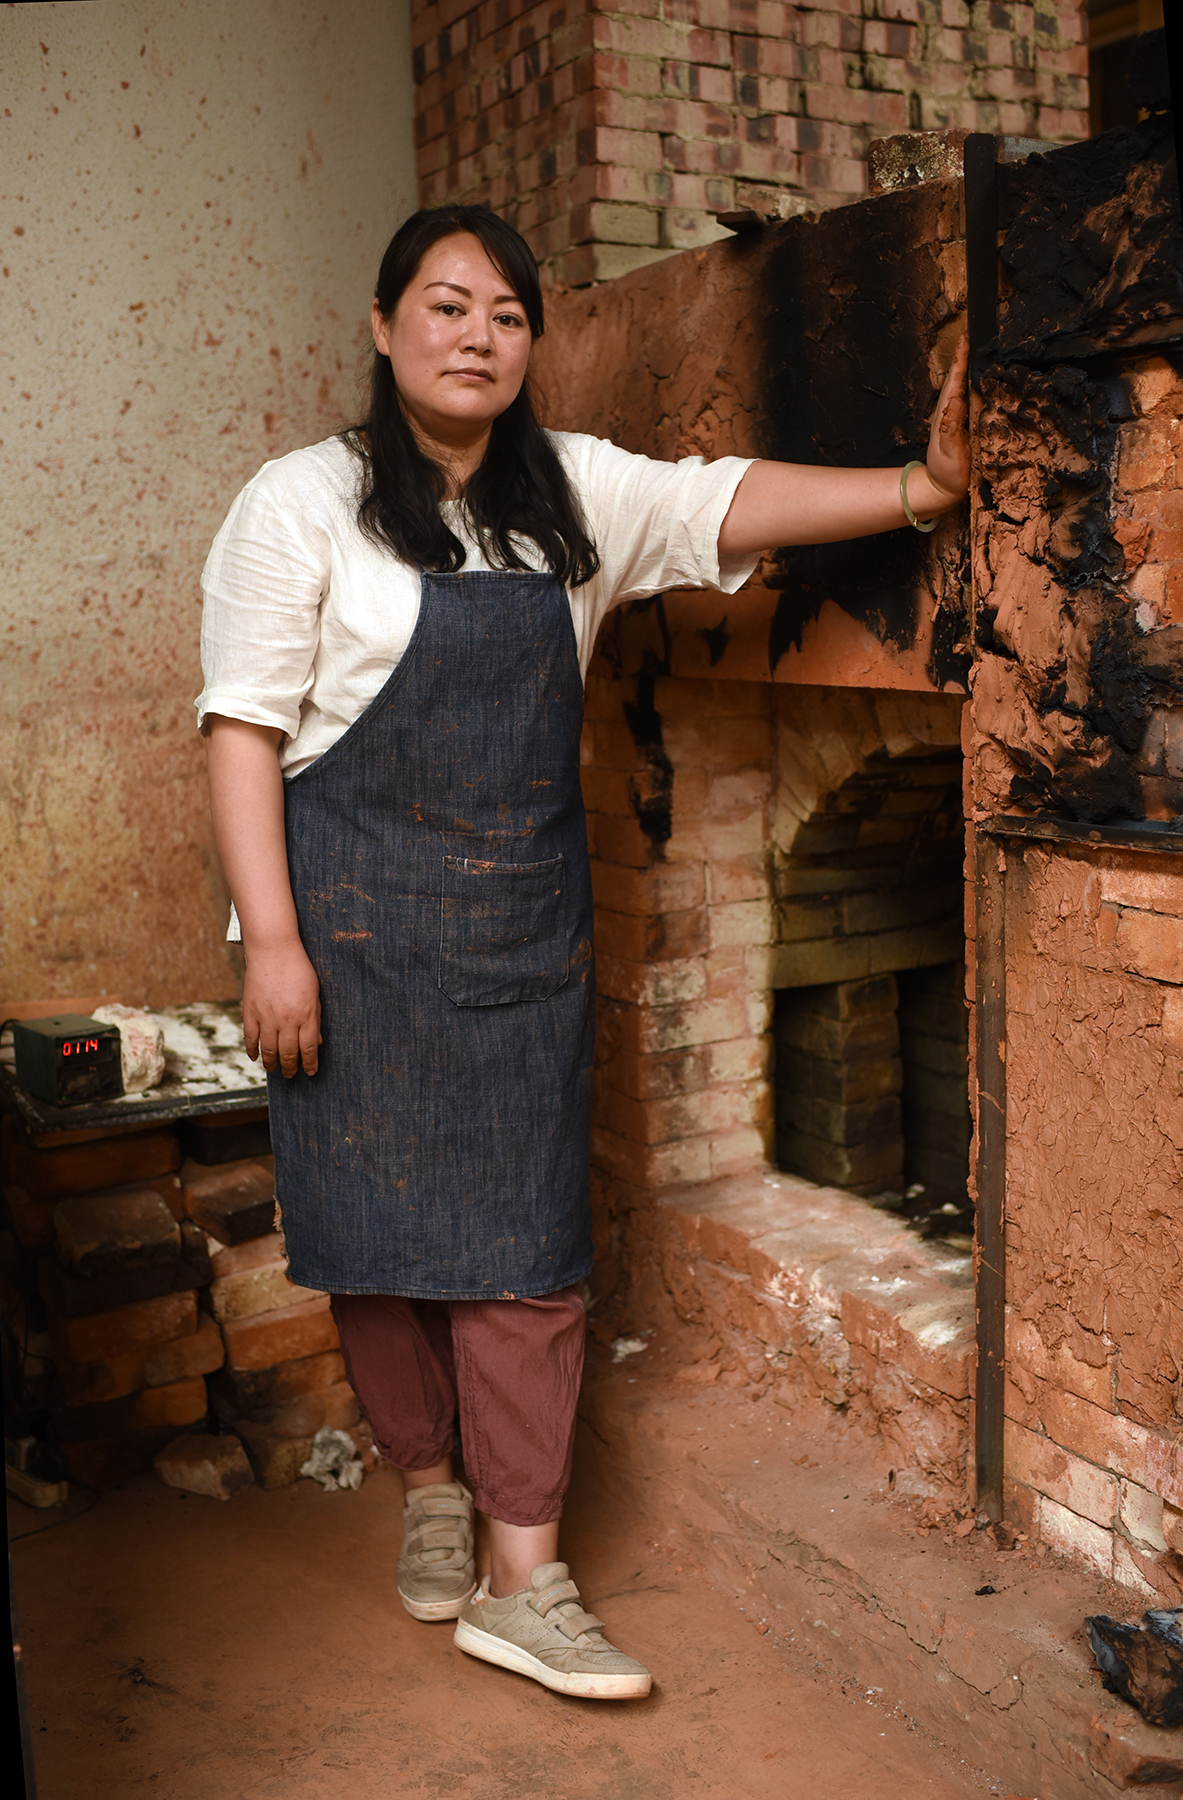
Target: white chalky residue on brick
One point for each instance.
(939, 1332)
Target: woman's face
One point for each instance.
(458, 342)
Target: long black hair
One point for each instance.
(520, 489)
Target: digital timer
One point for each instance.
(68, 1060)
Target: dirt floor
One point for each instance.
(180, 1647)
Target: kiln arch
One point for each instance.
(870, 1057)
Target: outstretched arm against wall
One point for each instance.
(798, 503)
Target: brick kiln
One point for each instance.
(776, 800)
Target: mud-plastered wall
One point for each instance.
(196, 198)
(1077, 729)
(1077, 528)
(1094, 1059)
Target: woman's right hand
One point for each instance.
(281, 1009)
(280, 994)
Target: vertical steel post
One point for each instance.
(989, 864)
(990, 1224)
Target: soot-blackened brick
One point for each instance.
(1093, 246)
(110, 1236)
(846, 371)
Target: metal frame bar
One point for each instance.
(981, 242)
(990, 1224)
(989, 863)
(1126, 834)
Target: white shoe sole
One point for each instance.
(476, 1642)
(437, 1609)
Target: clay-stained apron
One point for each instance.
(438, 858)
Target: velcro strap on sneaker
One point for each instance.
(554, 1596)
(439, 1534)
(443, 1507)
(574, 1624)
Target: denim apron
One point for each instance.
(438, 860)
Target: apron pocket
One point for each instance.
(503, 933)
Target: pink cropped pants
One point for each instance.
(508, 1370)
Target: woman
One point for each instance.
(397, 624)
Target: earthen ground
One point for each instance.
(177, 1647)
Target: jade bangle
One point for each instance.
(908, 513)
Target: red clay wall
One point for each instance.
(765, 358)
(1095, 1171)
(1077, 723)
(612, 132)
(1094, 1046)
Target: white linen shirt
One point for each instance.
(305, 619)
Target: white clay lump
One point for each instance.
(141, 1045)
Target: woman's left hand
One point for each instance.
(804, 503)
(947, 462)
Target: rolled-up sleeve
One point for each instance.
(656, 524)
(262, 586)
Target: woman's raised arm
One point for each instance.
(281, 993)
(799, 503)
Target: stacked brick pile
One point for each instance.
(838, 1083)
(36, 1180)
(154, 1276)
(874, 882)
(283, 1377)
(611, 131)
(119, 1269)
(934, 1042)
(871, 1082)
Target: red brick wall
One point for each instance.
(682, 1051)
(610, 131)
(692, 934)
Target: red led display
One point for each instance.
(79, 1046)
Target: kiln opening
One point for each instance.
(870, 1023)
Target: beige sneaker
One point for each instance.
(545, 1633)
(436, 1566)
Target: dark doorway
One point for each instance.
(872, 1092)
(937, 1127)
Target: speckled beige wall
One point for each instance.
(197, 193)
